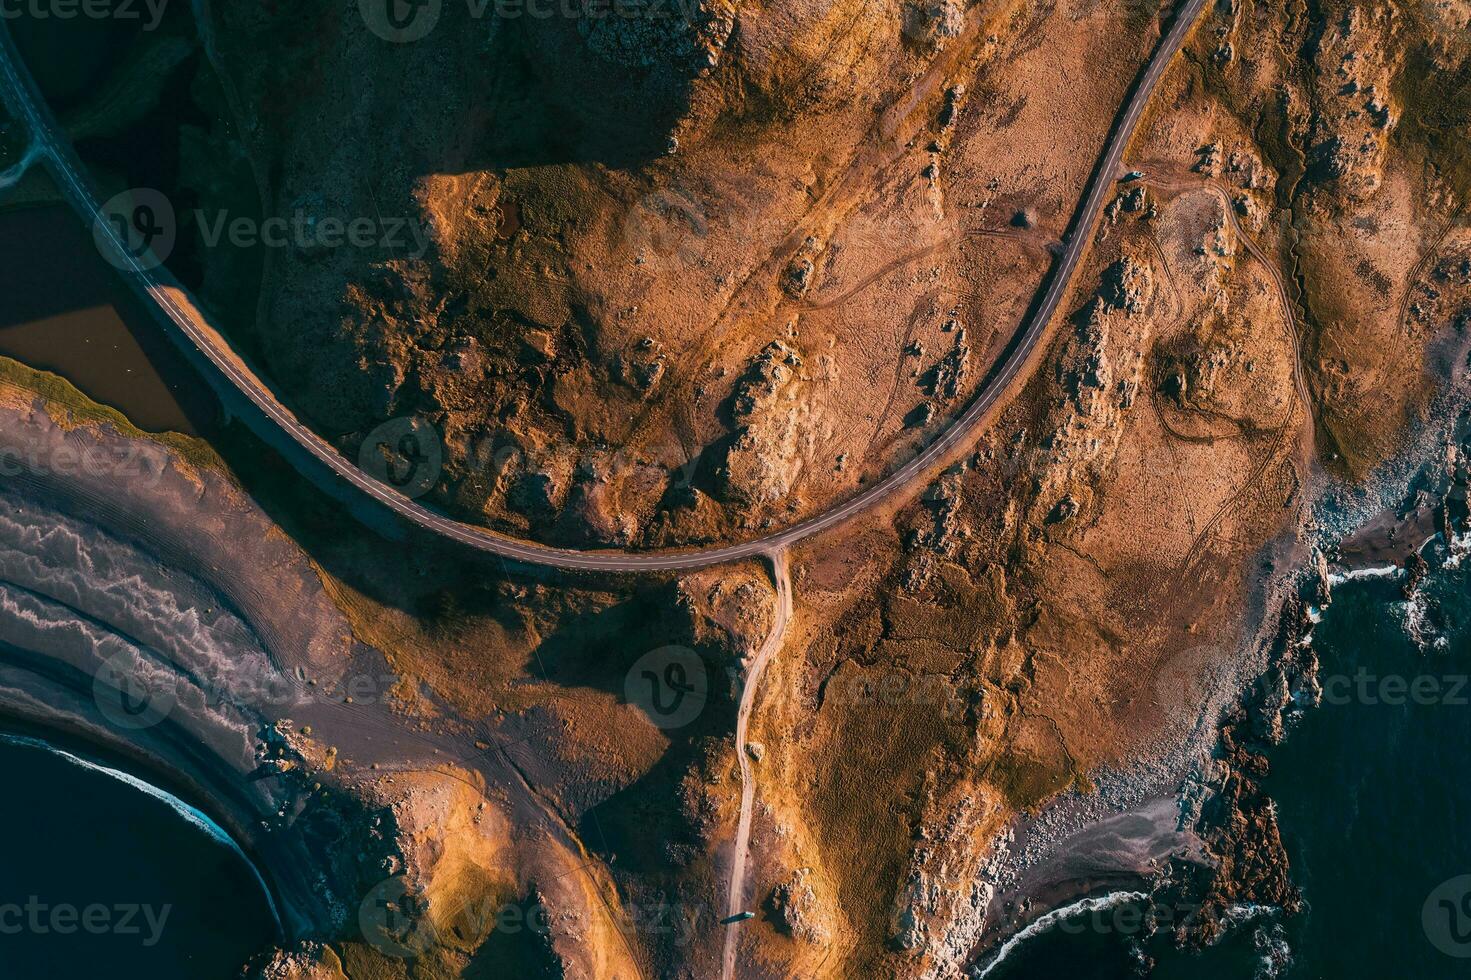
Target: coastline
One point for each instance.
(161, 617)
(187, 811)
(161, 589)
(1044, 868)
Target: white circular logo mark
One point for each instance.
(127, 701)
(670, 685)
(1446, 917)
(404, 453)
(401, 21)
(135, 230)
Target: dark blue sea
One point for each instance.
(102, 876)
(1374, 795)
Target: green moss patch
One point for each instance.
(79, 409)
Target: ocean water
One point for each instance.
(101, 879)
(1373, 790)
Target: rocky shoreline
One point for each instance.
(1223, 851)
(264, 764)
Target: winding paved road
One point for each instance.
(272, 420)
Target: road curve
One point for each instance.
(271, 420)
(736, 897)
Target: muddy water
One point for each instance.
(63, 309)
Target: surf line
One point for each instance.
(1052, 918)
(192, 815)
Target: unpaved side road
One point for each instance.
(735, 901)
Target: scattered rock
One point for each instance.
(1127, 285)
(1064, 510)
(795, 909)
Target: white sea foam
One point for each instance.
(1051, 919)
(1335, 579)
(192, 815)
(1420, 627)
(1456, 549)
(1242, 913)
(1275, 953)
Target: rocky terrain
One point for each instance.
(675, 284)
(582, 308)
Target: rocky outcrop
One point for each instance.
(305, 961)
(929, 24)
(796, 278)
(946, 379)
(942, 904)
(763, 460)
(643, 366)
(729, 611)
(609, 490)
(795, 909)
(1097, 377)
(648, 36)
(937, 530)
(541, 488)
(1238, 820)
(769, 373)
(1127, 285)
(1356, 116)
